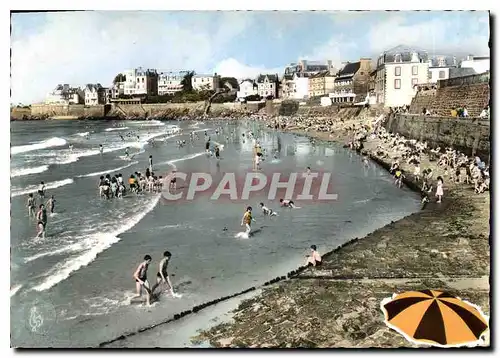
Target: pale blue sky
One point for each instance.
(88, 47)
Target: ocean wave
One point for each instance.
(34, 188)
(52, 142)
(94, 245)
(14, 290)
(116, 129)
(83, 134)
(187, 157)
(114, 170)
(27, 171)
(153, 123)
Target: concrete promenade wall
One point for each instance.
(469, 135)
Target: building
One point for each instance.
(317, 84)
(95, 94)
(170, 82)
(140, 82)
(306, 66)
(399, 70)
(267, 85)
(65, 94)
(330, 80)
(352, 82)
(205, 82)
(443, 73)
(479, 64)
(248, 87)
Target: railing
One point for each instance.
(465, 80)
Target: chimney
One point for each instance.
(365, 63)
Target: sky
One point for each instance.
(93, 46)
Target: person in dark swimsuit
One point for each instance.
(162, 275)
(51, 203)
(41, 217)
(217, 152)
(141, 277)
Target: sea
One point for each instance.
(74, 287)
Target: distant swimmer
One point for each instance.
(151, 163)
(141, 278)
(51, 203)
(288, 204)
(173, 181)
(41, 191)
(31, 206)
(207, 146)
(217, 152)
(41, 218)
(123, 139)
(126, 153)
(365, 161)
(162, 275)
(266, 211)
(247, 219)
(101, 149)
(315, 258)
(70, 147)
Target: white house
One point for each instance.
(399, 70)
(300, 86)
(248, 87)
(479, 64)
(94, 94)
(205, 82)
(267, 85)
(64, 95)
(139, 82)
(170, 82)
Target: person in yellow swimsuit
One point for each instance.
(247, 219)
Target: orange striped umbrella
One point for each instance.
(434, 317)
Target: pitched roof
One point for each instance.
(288, 77)
(349, 70)
(271, 78)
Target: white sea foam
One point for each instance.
(153, 123)
(52, 142)
(107, 171)
(14, 290)
(27, 171)
(83, 134)
(94, 245)
(187, 157)
(116, 129)
(34, 188)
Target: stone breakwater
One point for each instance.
(444, 247)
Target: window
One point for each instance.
(397, 71)
(397, 84)
(414, 70)
(442, 74)
(414, 81)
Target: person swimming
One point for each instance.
(141, 278)
(266, 211)
(287, 203)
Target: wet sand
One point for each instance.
(444, 247)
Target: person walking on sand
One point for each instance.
(31, 206)
(439, 189)
(315, 258)
(247, 219)
(162, 275)
(141, 278)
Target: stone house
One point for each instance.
(141, 82)
(95, 94)
(352, 82)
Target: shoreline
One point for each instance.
(343, 271)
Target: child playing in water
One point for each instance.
(287, 203)
(315, 258)
(247, 219)
(266, 211)
(141, 278)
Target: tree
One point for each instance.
(119, 78)
(187, 85)
(253, 97)
(232, 81)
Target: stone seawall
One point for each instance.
(76, 110)
(469, 135)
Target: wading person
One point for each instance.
(51, 203)
(247, 219)
(141, 278)
(41, 218)
(162, 275)
(31, 206)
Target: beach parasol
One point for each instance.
(435, 317)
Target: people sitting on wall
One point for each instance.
(485, 113)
